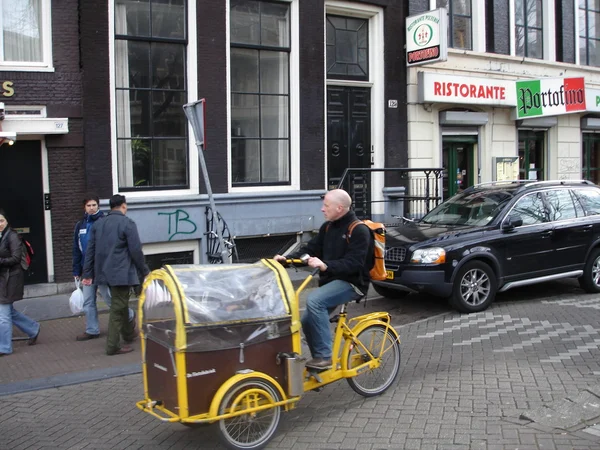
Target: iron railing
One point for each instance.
(408, 193)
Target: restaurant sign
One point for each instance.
(427, 37)
(440, 88)
(550, 97)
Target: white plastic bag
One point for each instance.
(76, 300)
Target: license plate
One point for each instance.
(389, 275)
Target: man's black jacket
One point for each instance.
(346, 259)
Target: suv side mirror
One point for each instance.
(511, 222)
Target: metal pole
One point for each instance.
(195, 114)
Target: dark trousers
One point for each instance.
(118, 321)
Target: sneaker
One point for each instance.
(121, 351)
(319, 363)
(33, 340)
(87, 337)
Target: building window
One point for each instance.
(25, 40)
(589, 32)
(347, 48)
(529, 28)
(591, 157)
(460, 18)
(150, 82)
(260, 93)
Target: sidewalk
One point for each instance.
(58, 359)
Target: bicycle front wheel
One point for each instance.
(253, 430)
(382, 344)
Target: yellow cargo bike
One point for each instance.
(221, 344)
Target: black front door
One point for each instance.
(349, 142)
(22, 197)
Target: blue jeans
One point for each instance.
(315, 320)
(91, 310)
(9, 316)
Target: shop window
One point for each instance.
(347, 48)
(591, 158)
(150, 82)
(26, 34)
(589, 32)
(529, 29)
(531, 155)
(260, 93)
(460, 20)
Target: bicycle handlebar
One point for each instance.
(299, 262)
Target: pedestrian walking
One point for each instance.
(12, 282)
(114, 257)
(92, 213)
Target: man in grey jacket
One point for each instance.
(114, 257)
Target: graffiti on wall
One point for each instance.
(179, 223)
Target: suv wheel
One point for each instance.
(388, 292)
(590, 280)
(474, 287)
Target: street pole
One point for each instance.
(195, 112)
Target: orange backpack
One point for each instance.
(377, 230)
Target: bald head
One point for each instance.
(336, 204)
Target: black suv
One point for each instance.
(496, 236)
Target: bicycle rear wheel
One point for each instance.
(374, 338)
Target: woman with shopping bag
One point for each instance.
(12, 281)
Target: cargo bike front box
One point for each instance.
(205, 328)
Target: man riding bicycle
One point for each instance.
(344, 267)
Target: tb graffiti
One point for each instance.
(179, 223)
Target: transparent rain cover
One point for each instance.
(219, 293)
(234, 304)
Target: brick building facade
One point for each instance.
(112, 81)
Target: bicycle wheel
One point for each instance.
(252, 430)
(376, 381)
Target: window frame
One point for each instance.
(191, 77)
(478, 27)
(293, 108)
(548, 31)
(46, 65)
(578, 36)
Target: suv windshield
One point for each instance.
(469, 208)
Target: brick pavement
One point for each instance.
(466, 382)
(57, 357)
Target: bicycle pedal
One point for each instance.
(315, 374)
(335, 319)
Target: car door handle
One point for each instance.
(546, 233)
(584, 229)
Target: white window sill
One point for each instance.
(13, 68)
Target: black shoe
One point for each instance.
(33, 340)
(319, 363)
(87, 337)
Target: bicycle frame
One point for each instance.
(344, 340)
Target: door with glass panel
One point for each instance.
(531, 155)
(349, 107)
(590, 164)
(458, 161)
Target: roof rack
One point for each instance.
(495, 183)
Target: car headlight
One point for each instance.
(435, 255)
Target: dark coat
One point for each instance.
(12, 276)
(346, 259)
(114, 252)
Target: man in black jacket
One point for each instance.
(114, 257)
(344, 272)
